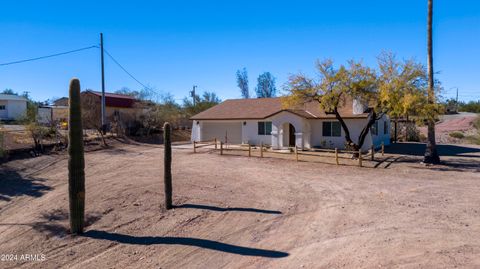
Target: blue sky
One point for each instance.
(172, 45)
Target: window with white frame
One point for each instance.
(331, 128)
(2, 107)
(264, 127)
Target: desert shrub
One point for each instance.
(472, 106)
(38, 134)
(476, 123)
(412, 133)
(422, 137)
(458, 135)
(474, 139)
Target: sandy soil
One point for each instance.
(240, 212)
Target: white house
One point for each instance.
(263, 120)
(12, 107)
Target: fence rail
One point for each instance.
(202, 144)
(336, 153)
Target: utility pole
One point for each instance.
(192, 93)
(456, 102)
(104, 122)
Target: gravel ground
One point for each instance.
(240, 212)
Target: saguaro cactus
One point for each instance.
(76, 161)
(167, 174)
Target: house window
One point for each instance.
(385, 127)
(264, 127)
(332, 128)
(374, 128)
(2, 107)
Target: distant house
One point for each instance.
(12, 107)
(263, 120)
(52, 114)
(121, 108)
(63, 101)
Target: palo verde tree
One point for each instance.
(76, 160)
(242, 82)
(396, 88)
(266, 86)
(204, 102)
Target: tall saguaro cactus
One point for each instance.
(167, 174)
(76, 161)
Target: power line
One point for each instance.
(125, 70)
(47, 56)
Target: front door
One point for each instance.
(291, 137)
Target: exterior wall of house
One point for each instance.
(60, 113)
(196, 134)
(91, 105)
(3, 110)
(124, 114)
(250, 133)
(382, 136)
(14, 109)
(55, 114)
(280, 131)
(226, 131)
(308, 132)
(44, 115)
(355, 126)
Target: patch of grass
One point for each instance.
(458, 135)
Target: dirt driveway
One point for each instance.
(239, 212)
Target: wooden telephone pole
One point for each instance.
(104, 121)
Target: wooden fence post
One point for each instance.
(360, 157)
(336, 156)
(221, 148)
(261, 150)
(215, 143)
(249, 150)
(383, 148)
(194, 146)
(372, 157)
(296, 154)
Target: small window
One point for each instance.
(2, 107)
(264, 127)
(332, 128)
(385, 127)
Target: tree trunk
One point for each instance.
(372, 117)
(348, 139)
(431, 154)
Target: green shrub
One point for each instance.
(458, 135)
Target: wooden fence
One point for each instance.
(336, 153)
(202, 144)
